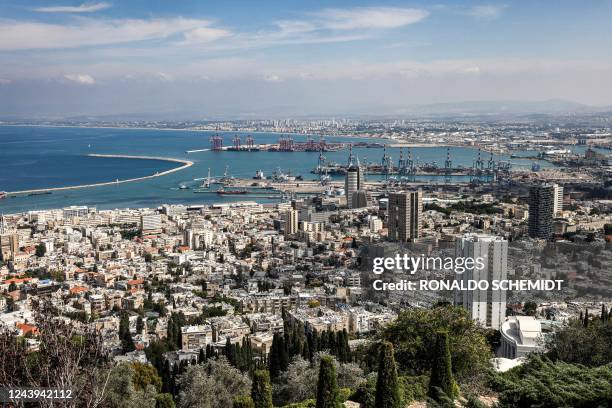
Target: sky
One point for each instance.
(283, 58)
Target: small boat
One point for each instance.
(183, 187)
(3, 195)
(259, 175)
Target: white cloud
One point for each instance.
(18, 35)
(370, 18)
(83, 8)
(165, 77)
(272, 78)
(4, 81)
(83, 79)
(490, 11)
(203, 35)
(472, 70)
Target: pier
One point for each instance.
(185, 164)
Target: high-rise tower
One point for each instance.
(405, 209)
(354, 178)
(541, 210)
(486, 306)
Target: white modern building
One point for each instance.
(151, 224)
(486, 306)
(520, 335)
(558, 199)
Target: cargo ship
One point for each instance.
(231, 192)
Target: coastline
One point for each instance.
(185, 164)
(197, 130)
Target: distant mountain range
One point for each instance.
(465, 109)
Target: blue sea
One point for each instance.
(33, 157)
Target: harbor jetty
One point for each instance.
(184, 164)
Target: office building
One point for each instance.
(375, 224)
(291, 223)
(541, 210)
(353, 181)
(405, 209)
(189, 238)
(75, 211)
(359, 199)
(9, 246)
(486, 306)
(3, 225)
(151, 224)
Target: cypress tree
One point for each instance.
(586, 318)
(274, 360)
(387, 384)
(166, 378)
(344, 353)
(139, 325)
(261, 391)
(305, 351)
(173, 384)
(327, 386)
(201, 356)
(284, 355)
(441, 371)
(127, 343)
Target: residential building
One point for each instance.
(488, 306)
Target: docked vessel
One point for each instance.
(231, 192)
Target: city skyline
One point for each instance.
(202, 60)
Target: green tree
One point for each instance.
(414, 331)
(529, 308)
(441, 378)
(261, 392)
(243, 402)
(144, 375)
(41, 250)
(388, 393)
(577, 344)
(211, 385)
(121, 391)
(164, 400)
(327, 385)
(542, 383)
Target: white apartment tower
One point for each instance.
(486, 306)
(558, 199)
